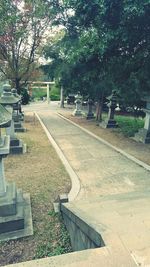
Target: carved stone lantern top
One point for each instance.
(7, 98)
(113, 99)
(78, 98)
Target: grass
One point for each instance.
(41, 173)
(61, 235)
(129, 125)
(38, 93)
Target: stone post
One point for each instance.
(48, 94)
(90, 114)
(143, 135)
(2, 175)
(77, 111)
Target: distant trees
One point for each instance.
(105, 46)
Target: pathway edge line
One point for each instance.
(75, 189)
(137, 161)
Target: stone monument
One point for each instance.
(110, 122)
(90, 114)
(15, 208)
(17, 116)
(143, 135)
(77, 111)
(8, 100)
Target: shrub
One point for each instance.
(129, 125)
(25, 97)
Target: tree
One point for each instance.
(106, 46)
(22, 28)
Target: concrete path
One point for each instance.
(101, 170)
(114, 191)
(114, 195)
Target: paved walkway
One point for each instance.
(114, 196)
(114, 190)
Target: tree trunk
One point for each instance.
(17, 85)
(62, 97)
(99, 108)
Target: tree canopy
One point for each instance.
(105, 46)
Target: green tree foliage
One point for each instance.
(105, 46)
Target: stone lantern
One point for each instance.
(90, 114)
(15, 209)
(77, 111)
(143, 135)
(8, 100)
(17, 116)
(20, 112)
(110, 122)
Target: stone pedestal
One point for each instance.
(78, 111)
(18, 115)
(15, 208)
(110, 122)
(16, 145)
(90, 114)
(143, 135)
(18, 127)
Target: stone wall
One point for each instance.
(82, 235)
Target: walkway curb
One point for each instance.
(137, 161)
(76, 187)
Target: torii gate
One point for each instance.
(44, 85)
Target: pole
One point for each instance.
(48, 99)
(62, 97)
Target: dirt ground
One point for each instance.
(113, 136)
(41, 173)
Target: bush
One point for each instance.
(129, 125)
(25, 97)
(55, 97)
(39, 93)
(55, 93)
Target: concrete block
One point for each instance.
(22, 225)
(143, 136)
(8, 202)
(14, 142)
(19, 148)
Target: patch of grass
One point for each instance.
(56, 231)
(41, 173)
(38, 93)
(129, 125)
(52, 213)
(55, 93)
